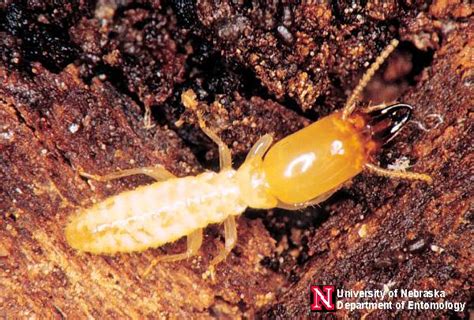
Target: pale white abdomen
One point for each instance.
(153, 215)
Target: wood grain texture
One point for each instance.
(41, 275)
(406, 235)
(75, 79)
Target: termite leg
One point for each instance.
(225, 157)
(230, 233)
(398, 174)
(313, 202)
(158, 173)
(260, 147)
(194, 242)
(354, 98)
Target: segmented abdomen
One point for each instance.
(153, 215)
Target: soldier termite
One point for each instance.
(302, 169)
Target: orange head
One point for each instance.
(319, 159)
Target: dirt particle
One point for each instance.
(73, 127)
(362, 231)
(285, 35)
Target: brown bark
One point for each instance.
(74, 83)
(400, 234)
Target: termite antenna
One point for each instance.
(354, 98)
(398, 174)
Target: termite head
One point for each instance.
(380, 126)
(315, 161)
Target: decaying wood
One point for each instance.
(407, 235)
(76, 103)
(46, 139)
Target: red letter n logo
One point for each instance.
(323, 299)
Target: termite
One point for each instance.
(301, 170)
